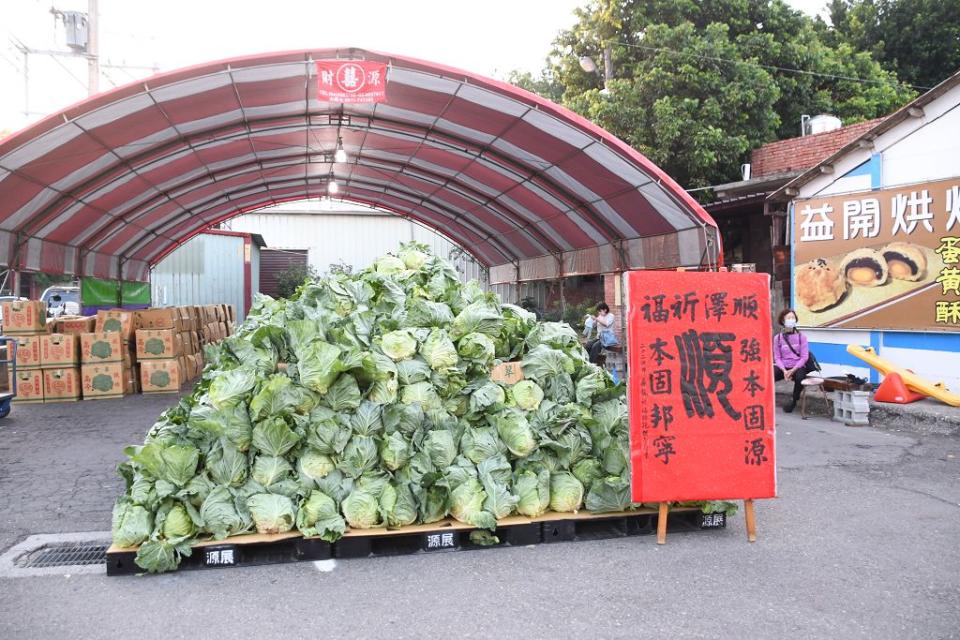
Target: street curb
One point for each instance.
(917, 419)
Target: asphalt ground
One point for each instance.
(862, 543)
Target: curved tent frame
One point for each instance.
(109, 186)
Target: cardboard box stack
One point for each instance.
(160, 349)
(107, 357)
(60, 360)
(169, 334)
(115, 353)
(26, 321)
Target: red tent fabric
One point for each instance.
(109, 186)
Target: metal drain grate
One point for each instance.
(69, 554)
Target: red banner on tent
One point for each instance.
(351, 81)
(700, 386)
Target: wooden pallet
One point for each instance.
(445, 535)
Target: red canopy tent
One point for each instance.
(109, 186)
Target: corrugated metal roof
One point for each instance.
(506, 174)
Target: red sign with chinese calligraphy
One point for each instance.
(351, 81)
(700, 386)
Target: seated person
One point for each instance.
(606, 337)
(791, 356)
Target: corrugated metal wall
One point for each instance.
(356, 238)
(206, 270)
(273, 262)
(254, 270)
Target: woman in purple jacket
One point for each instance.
(790, 355)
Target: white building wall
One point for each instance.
(920, 149)
(928, 153)
(356, 238)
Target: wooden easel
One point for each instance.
(750, 520)
(748, 513)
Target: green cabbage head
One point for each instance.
(271, 513)
(566, 492)
(361, 510)
(528, 395)
(399, 345)
(178, 525)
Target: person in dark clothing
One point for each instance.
(790, 355)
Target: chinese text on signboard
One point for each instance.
(700, 386)
(351, 81)
(883, 259)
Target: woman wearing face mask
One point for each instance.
(790, 355)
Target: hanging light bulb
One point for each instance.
(332, 186)
(340, 155)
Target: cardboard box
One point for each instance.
(161, 376)
(153, 344)
(61, 384)
(75, 324)
(186, 320)
(103, 347)
(189, 368)
(115, 321)
(24, 316)
(59, 350)
(29, 385)
(28, 351)
(508, 372)
(164, 318)
(106, 380)
(131, 381)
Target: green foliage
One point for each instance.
(289, 280)
(918, 40)
(697, 85)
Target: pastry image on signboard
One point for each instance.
(820, 285)
(834, 288)
(885, 259)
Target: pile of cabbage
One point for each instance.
(366, 400)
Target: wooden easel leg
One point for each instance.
(751, 519)
(662, 524)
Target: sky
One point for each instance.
(490, 37)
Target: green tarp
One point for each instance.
(135, 292)
(97, 292)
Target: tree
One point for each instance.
(289, 281)
(696, 85)
(919, 40)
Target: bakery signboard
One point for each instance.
(879, 259)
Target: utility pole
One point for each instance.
(93, 47)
